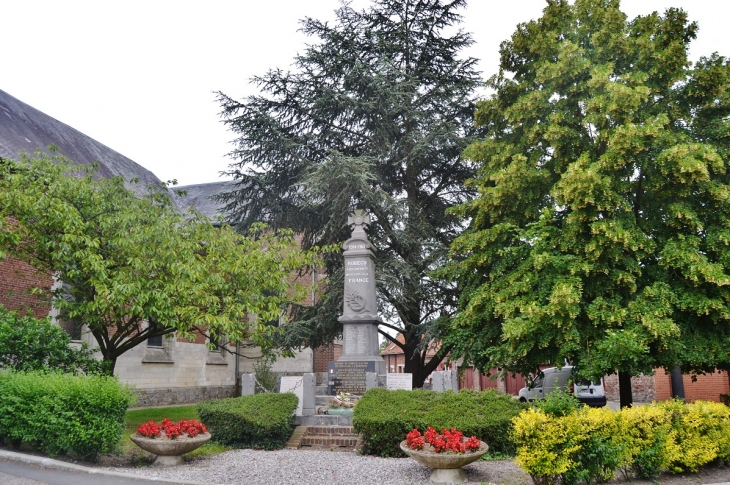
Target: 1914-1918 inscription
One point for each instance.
(348, 376)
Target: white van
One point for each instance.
(590, 393)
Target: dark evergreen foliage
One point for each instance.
(374, 115)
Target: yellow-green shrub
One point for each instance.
(648, 439)
(588, 445)
(576, 447)
(699, 433)
(542, 446)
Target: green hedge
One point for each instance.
(63, 413)
(262, 421)
(31, 344)
(384, 417)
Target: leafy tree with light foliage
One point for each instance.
(127, 259)
(601, 233)
(375, 116)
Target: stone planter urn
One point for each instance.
(169, 452)
(446, 466)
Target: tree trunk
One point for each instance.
(624, 386)
(111, 362)
(677, 382)
(414, 366)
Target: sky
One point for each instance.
(140, 76)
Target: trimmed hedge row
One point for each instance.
(261, 421)
(384, 417)
(590, 444)
(62, 413)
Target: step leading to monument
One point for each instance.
(333, 438)
(323, 420)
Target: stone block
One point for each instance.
(308, 394)
(437, 381)
(248, 384)
(294, 384)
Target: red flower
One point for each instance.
(414, 440)
(449, 440)
(472, 444)
(172, 430)
(149, 429)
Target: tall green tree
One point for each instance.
(602, 227)
(127, 259)
(374, 115)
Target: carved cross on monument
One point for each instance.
(357, 220)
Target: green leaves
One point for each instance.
(599, 233)
(126, 259)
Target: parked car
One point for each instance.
(554, 379)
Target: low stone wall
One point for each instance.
(181, 395)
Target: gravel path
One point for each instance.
(252, 467)
(300, 467)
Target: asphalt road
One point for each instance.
(13, 473)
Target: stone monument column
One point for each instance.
(360, 307)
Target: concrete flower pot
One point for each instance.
(446, 466)
(169, 452)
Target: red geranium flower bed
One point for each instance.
(450, 440)
(172, 430)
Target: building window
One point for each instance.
(155, 341)
(159, 350)
(72, 328)
(216, 355)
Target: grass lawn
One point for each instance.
(174, 413)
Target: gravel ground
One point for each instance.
(252, 467)
(301, 467)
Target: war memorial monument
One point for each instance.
(360, 352)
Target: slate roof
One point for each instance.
(200, 196)
(24, 128)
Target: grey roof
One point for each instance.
(24, 128)
(200, 197)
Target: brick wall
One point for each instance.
(658, 387)
(322, 356)
(706, 387)
(663, 385)
(394, 362)
(338, 351)
(17, 278)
